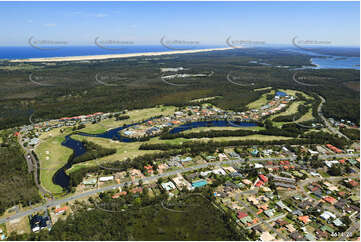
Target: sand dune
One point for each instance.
(112, 56)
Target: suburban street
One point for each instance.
(261, 220)
(150, 178)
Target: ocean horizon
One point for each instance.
(26, 52)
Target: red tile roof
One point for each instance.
(330, 199)
(119, 194)
(58, 210)
(259, 183)
(304, 219)
(353, 183)
(241, 215)
(263, 178)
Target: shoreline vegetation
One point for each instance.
(113, 56)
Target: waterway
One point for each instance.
(62, 179)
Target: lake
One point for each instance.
(62, 179)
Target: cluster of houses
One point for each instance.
(278, 103)
(342, 123)
(30, 133)
(185, 115)
(201, 112)
(316, 214)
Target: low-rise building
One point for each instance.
(106, 178)
(168, 186)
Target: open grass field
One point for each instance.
(52, 156)
(134, 116)
(123, 151)
(261, 101)
(20, 225)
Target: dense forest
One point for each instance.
(353, 134)
(136, 83)
(16, 183)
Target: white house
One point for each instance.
(106, 178)
(168, 186)
(326, 215)
(219, 171)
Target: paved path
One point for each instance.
(256, 216)
(328, 125)
(33, 166)
(150, 178)
(269, 220)
(28, 160)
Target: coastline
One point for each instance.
(113, 56)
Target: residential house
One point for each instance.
(326, 215)
(266, 236)
(330, 200)
(106, 178)
(269, 213)
(281, 205)
(219, 171)
(304, 219)
(337, 222)
(59, 211)
(168, 186)
(38, 222)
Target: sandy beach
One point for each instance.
(112, 56)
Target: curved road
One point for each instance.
(328, 125)
(32, 166)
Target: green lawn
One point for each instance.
(52, 156)
(261, 101)
(123, 151)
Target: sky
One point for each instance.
(79, 23)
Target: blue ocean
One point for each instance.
(24, 52)
(336, 62)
